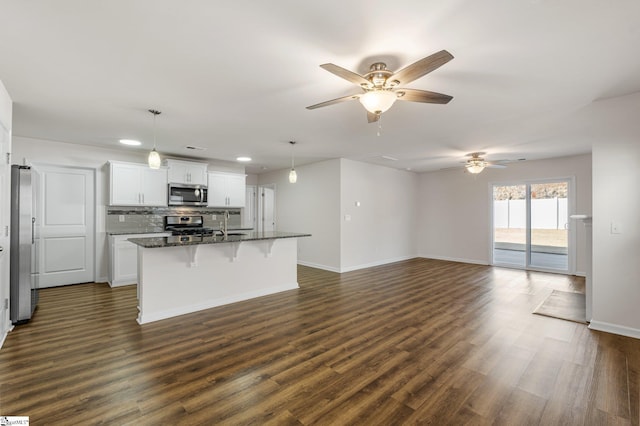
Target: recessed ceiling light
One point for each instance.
(130, 142)
(243, 159)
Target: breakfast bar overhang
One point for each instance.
(177, 276)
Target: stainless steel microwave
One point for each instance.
(181, 194)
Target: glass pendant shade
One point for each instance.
(378, 101)
(154, 159)
(293, 176)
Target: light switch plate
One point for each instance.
(615, 228)
(347, 217)
(213, 217)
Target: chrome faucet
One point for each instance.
(224, 226)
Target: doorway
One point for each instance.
(267, 207)
(530, 228)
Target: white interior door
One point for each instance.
(249, 211)
(267, 208)
(65, 226)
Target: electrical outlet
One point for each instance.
(213, 217)
(121, 218)
(6, 304)
(347, 217)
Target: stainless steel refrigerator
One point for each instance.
(23, 294)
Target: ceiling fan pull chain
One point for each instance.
(379, 124)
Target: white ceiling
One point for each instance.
(235, 77)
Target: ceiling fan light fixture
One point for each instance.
(475, 166)
(378, 101)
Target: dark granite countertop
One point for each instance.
(165, 232)
(232, 237)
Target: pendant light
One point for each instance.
(154, 157)
(293, 176)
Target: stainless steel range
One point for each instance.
(186, 225)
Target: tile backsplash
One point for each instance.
(151, 219)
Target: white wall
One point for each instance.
(616, 199)
(5, 210)
(311, 205)
(34, 151)
(454, 207)
(381, 229)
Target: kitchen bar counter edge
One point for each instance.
(158, 242)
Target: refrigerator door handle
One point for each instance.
(33, 230)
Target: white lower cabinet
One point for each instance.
(123, 258)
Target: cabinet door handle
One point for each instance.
(143, 198)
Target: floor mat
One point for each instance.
(564, 305)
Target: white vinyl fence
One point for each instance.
(548, 213)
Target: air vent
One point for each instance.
(195, 148)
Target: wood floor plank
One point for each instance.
(418, 341)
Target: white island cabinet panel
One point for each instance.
(172, 284)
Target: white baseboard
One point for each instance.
(580, 274)
(318, 266)
(5, 334)
(356, 267)
(615, 329)
(456, 259)
(376, 263)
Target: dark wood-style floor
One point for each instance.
(420, 341)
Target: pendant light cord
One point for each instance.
(155, 114)
(292, 144)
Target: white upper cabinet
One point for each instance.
(226, 189)
(136, 185)
(187, 172)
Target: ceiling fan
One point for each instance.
(381, 87)
(476, 163)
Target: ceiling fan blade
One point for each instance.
(372, 118)
(334, 101)
(495, 166)
(425, 96)
(347, 75)
(422, 67)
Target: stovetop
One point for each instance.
(186, 225)
(189, 230)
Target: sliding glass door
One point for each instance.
(531, 225)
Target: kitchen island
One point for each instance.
(183, 274)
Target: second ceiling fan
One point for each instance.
(381, 87)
